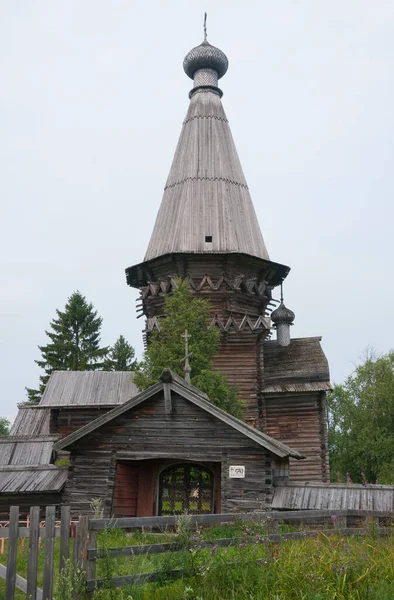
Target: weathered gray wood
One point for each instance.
(30, 479)
(96, 553)
(82, 539)
(34, 531)
(205, 182)
(81, 388)
(64, 535)
(167, 398)
(49, 552)
(135, 579)
(175, 574)
(12, 553)
(186, 392)
(24, 532)
(91, 561)
(20, 582)
(301, 516)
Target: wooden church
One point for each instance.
(168, 449)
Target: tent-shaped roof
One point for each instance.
(206, 196)
(171, 381)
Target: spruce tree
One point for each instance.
(120, 356)
(74, 342)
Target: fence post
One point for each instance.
(64, 536)
(82, 541)
(12, 552)
(91, 563)
(31, 590)
(49, 552)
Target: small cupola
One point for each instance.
(282, 318)
(205, 64)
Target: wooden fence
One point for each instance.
(34, 532)
(346, 522)
(86, 552)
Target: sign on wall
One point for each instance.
(236, 471)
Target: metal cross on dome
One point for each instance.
(188, 354)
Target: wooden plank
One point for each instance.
(34, 531)
(49, 552)
(167, 398)
(91, 562)
(82, 541)
(12, 553)
(64, 536)
(280, 516)
(24, 532)
(20, 582)
(175, 574)
(135, 579)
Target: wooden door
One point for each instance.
(186, 487)
(126, 490)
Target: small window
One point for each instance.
(208, 238)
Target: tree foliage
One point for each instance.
(4, 426)
(74, 342)
(120, 356)
(166, 349)
(361, 422)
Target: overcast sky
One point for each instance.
(92, 99)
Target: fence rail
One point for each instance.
(340, 519)
(34, 532)
(86, 553)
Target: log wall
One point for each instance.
(65, 420)
(298, 420)
(148, 433)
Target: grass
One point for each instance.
(321, 568)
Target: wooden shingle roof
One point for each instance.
(31, 420)
(88, 388)
(32, 479)
(334, 496)
(206, 195)
(191, 393)
(26, 450)
(300, 367)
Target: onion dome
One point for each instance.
(205, 56)
(282, 315)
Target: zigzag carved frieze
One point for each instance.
(237, 284)
(224, 326)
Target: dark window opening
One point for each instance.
(208, 238)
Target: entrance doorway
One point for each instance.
(186, 487)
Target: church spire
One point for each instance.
(206, 206)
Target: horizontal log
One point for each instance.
(162, 522)
(144, 578)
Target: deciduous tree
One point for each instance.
(166, 349)
(361, 422)
(4, 426)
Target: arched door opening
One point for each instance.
(186, 487)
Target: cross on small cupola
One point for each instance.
(186, 336)
(282, 319)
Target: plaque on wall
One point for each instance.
(236, 471)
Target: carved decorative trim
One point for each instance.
(237, 284)
(232, 323)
